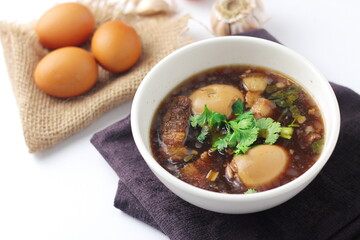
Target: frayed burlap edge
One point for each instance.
(46, 120)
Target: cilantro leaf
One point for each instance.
(245, 115)
(250, 190)
(246, 123)
(269, 129)
(215, 119)
(264, 123)
(208, 117)
(273, 133)
(241, 149)
(203, 134)
(232, 139)
(198, 120)
(206, 120)
(220, 144)
(194, 120)
(238, 107)
(248, 136)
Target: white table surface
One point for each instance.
(67, 192)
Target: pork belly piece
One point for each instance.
(251, 98)
(264, 108)
(255, 83)
(195, 172)
(174, 128)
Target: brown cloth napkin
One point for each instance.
(329, 208)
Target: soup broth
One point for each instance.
(237, 129)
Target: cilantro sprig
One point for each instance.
(269, 129)
(206, 120)
(241, 132)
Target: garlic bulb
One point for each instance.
(236, 16)
(147, 7)
(151, 7)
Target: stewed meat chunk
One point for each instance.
(174, 128)
(196, 171)
(263, 108)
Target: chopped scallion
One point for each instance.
(286, 132)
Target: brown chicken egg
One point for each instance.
(66, 72)
(217, 97)
(67, 24)
(116, 46)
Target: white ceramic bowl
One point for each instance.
(202, 55)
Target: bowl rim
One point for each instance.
(309, 174)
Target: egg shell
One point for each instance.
(66, 72)
(67, 24)
(116, 46)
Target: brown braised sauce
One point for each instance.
(299, 146)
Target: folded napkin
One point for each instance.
(329, 208)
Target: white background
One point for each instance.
(67, 192)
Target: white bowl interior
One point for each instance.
(220, 51)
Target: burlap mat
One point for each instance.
(46, 120)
